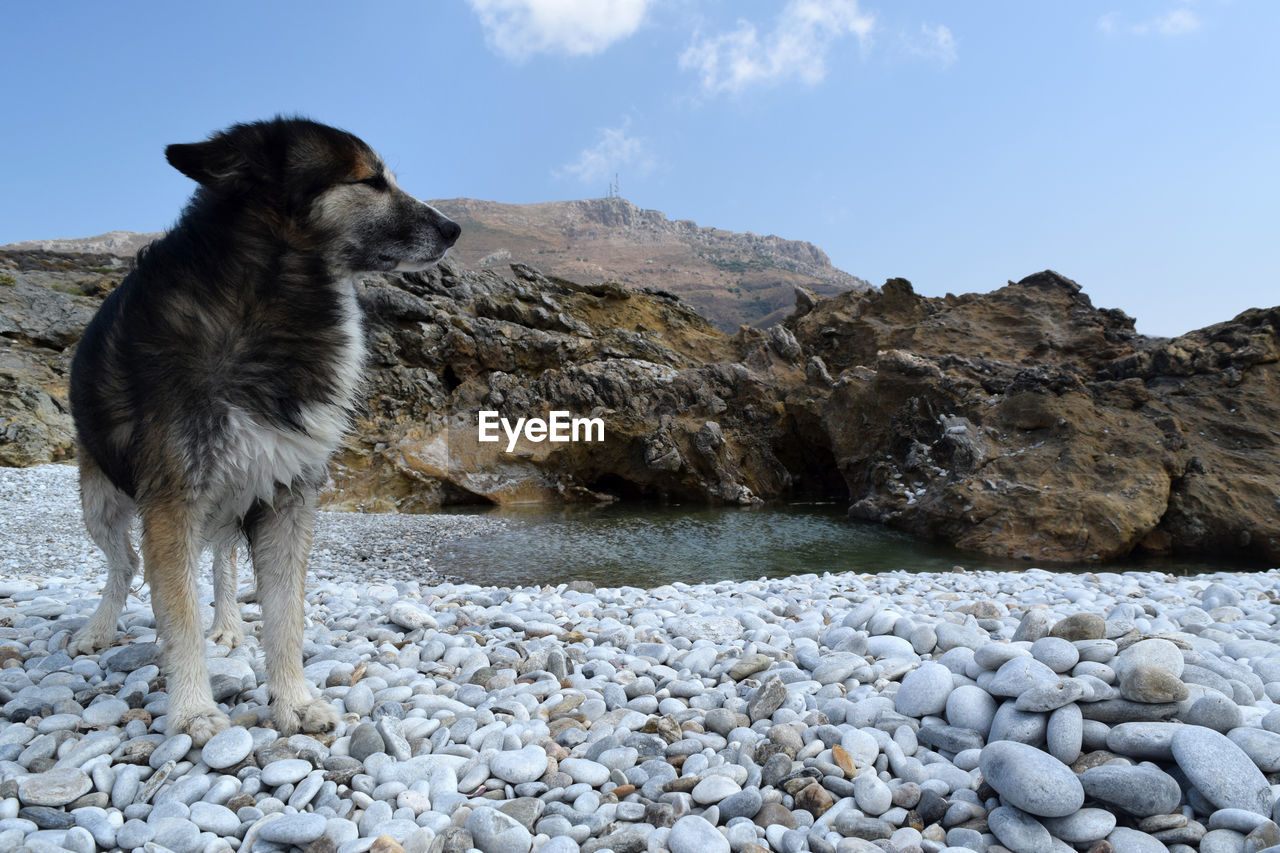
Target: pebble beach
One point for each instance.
(831, 712)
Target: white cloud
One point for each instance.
(1176, 22)
(615, 151)
(518, 29)
(935, 43)
(796, 47)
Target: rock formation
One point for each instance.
(1021, 423)
(1026, 423)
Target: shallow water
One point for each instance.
(648, 545)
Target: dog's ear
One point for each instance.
(216, 163)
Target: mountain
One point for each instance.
(123, 244)
(732, 279)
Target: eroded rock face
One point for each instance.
(683, 416)
(1023, 423)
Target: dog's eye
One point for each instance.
(377, 182)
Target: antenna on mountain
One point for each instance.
(613, 188)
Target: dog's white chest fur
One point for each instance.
(258, 456)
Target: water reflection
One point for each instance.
(648, 545)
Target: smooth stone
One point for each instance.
(1144, 741)
(768, 698)
(1050, 696)
(971, 707)
(1079, 626)
(130, 658)
(1019, 831)
(713, 789)
(1151, 684)
(285, 771)
(365, 741)
(47, 817)
(177, 834)
(1154, 652)
(297, 829)
(496, 832)
(1215, 712)
(133, 834)
(1064, 734)
(228, 747)
(214, 818)
(54, 787)
(746, 803)
(1260, 745)
(1221, 771)
(1141, 791)
(1022, 726)
(924, 691)
(105, 713)
(1125, 840)
(1242, 821)
(582, 770)
(171, 749)
(1116, 711)
(1031, 780)
(1033, 625)
(410, 616)
(522, 765)
(872, 795)
(1056, 653)
(1084, 827)
(1017, 675)
(951, 738)
(694, 834)
(359, 699)
(1222, 841)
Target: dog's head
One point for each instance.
(319, 187)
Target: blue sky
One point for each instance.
(1132, 146)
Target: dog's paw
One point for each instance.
(91, 639)
(230, 635)
(313, 715)
(201, 724)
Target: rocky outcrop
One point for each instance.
(46, 300)
(1023, 423)
(682, 416)
(1026, 423)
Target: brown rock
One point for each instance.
(844, 761)
(239, 801)
(385, 844)
(1151, 685)
(815, 799)
(772, 814)
(1079, 626)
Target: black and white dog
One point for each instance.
(214, 383)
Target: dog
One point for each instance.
(214, 383)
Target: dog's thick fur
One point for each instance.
(214, 383)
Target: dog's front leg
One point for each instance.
(279, 540)
(170, 555)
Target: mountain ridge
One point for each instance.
(733, 278)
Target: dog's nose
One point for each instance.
(450, 230)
